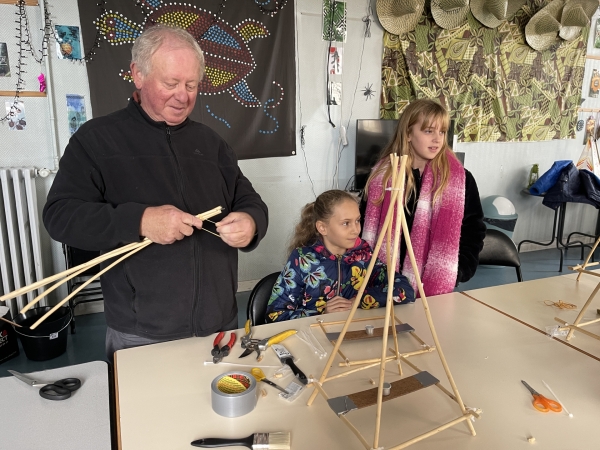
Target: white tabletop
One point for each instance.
(526, 302)
(164, 389)
(82, 421)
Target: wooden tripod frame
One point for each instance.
(578, 324)
(397, 195)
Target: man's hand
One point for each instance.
(167, 224)
(337, 304)
(237, 229)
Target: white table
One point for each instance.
(525, 302)
(164, 389)
(82, 421)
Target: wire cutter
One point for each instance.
(220, 353)
(260, 345)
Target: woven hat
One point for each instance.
(491, 13)
(399, 16)
(542, 29)
(450, 14)
(575, 15)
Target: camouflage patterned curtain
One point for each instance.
(495, 86)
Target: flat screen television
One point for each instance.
(372, 135)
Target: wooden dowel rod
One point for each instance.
(11, 322)
(582, 312)
(583, 324)
(466, 417)
(22, 94)
(337, 322)
(358, 369)
(344, 357)
(592, 110)
(592, 57)
(399, 209)
(572, 328)
(355, 431)
(202, 216)
(50, 279)
(588, 272)
(319, 388)
(355, 304)
(68, 297)
(414, 334)
(413, 262)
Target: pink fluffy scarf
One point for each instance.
(435, 232)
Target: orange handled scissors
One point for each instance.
(542, 403)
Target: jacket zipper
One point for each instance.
(196, 263)
(339, 287)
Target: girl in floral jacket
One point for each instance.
(328, 263)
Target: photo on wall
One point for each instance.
(67, 42)
(4, 63)
(16, 115)
(75, 112)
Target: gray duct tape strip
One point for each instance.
(234, 405)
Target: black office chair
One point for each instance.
(93, 291)
(259, 299)
(500, 250)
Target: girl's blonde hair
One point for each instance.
(321, 209)
(432, 114)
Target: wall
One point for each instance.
(286, 184)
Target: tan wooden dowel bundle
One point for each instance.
(66, 275)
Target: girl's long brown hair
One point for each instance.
(321, 209)
(432, 113)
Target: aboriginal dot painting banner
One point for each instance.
(496, 87)
(248, 93)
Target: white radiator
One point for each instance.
(20, 248)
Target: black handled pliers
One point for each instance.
(220, 353)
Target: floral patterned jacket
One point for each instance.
(313, 275)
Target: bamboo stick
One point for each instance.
(337, 322)
(21, 93)
(588, 272)
(466, 417)
(319, 388)
(589, 256)
(411, 255)
(399, 185)
(583, 324)
(355, 431)
(11, 322)
(572, 328)
(137, 246)
(439, 385)
(83, 267)
(50, 279)
(344, 357)
(348, 372)
(68, 297)
(356, 300)
(582, 312)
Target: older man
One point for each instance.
(145, 171)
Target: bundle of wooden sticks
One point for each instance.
(66, 275)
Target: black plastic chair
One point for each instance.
(500, 250)
(259, 299)
(93, 291)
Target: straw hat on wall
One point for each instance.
(542, 29)
(492, 13)
(450, 14)
(575, 15)
(399, 16)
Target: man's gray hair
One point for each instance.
(152, 38)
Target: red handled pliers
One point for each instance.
(220, 353)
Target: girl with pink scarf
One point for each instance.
(442, 205)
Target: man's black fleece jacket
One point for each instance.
(112, 170)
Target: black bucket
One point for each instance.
(49, 339)
(9, 348)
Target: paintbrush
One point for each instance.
(271, 441)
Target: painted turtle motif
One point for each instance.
(227, 56)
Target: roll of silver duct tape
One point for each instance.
(234, 394)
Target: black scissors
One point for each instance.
(59, 390)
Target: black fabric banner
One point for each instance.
(249, 91)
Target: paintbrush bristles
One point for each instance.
(279, 440)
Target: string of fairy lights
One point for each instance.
(26, 47)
